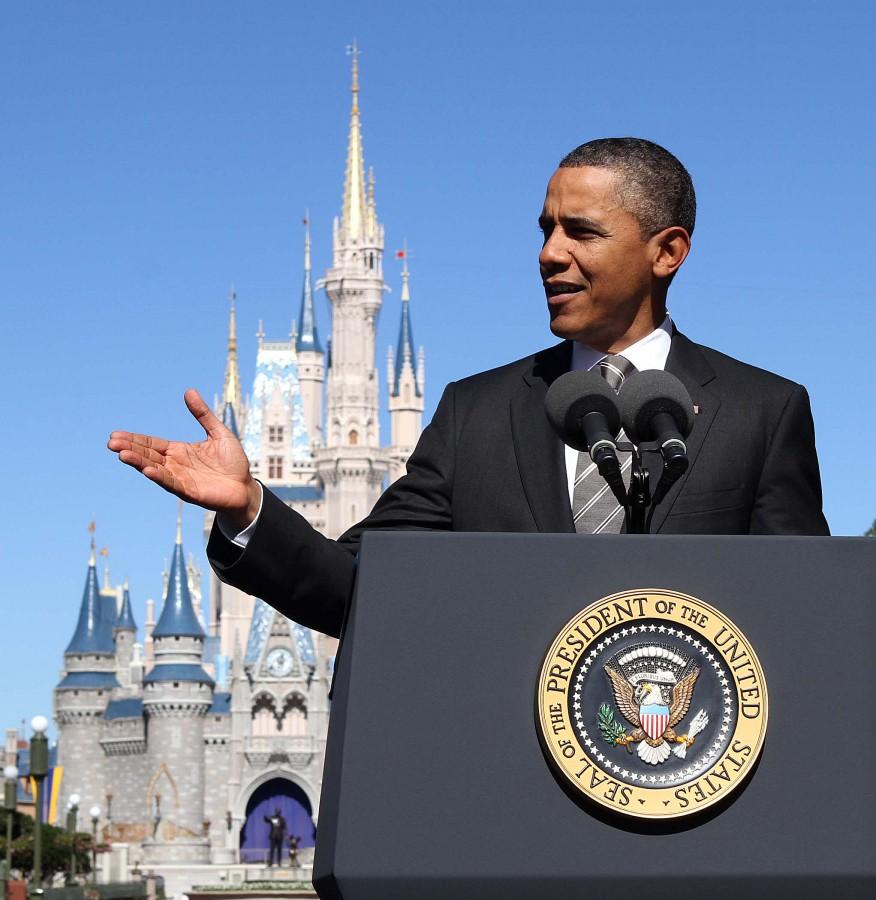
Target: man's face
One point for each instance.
(595, 265)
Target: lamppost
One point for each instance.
(39, 768)
(10, 773)
(72, 811)
(94, 812)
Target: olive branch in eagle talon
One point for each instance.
(613, 732)
(654, 747)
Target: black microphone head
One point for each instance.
(571, 397)
(651, 391)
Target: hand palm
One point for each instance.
(213, 473)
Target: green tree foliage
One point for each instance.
(56, 847)
(871, 531)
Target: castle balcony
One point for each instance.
(295, 751)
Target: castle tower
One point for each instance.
(311, 359)
(351, 464)
(83, 693)
(406, 374)
(125, 634)
(177, 695)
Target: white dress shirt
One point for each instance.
(650, 352)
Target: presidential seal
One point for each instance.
(652, 703)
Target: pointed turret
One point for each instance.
(94, 630)
(405, 354)
(178, 614)
(406, 382)
(308, 338)
(354, 212)
(229, 419)
(125, 619)
(231, 392)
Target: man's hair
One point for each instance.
(653, 185)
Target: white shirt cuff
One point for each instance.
(240, 538)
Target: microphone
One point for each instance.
(655, 406)
(583, 410)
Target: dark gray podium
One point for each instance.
(436, 785)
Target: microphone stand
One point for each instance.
(638, 496)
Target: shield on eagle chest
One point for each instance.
(655, 719)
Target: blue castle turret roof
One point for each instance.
(126, 615)
(94, 630)
(229, 419)
(405, 340)
(178, 614)
(178, 672)
(308, 338)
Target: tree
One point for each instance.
(871, 531)
(55, 851)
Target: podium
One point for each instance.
(436, 784)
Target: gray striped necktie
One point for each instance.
(594, 507)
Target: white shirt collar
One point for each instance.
(650, 352)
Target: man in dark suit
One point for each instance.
(617, 222)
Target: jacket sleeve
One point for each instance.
(308, 577)
(788, 496)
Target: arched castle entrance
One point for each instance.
(295, 807)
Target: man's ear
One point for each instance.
(671, 247)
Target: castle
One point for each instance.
(189, 740)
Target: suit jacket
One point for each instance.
(489, 461)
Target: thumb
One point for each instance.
(199, 409)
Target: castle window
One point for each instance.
(275, 434)
(275, 467)
(353, 437)
(293, 721)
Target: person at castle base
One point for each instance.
(617, 223)
(276, 836)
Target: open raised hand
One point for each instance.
(213, 473)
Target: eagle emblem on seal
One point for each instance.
(653, 686)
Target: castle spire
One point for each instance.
(405, 354)
(231, 391)
(353, 216)
(178, 614)
(308, 338)
(94, 629)
(126, 614)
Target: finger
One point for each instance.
(139, 460)
(120, 446)
(122, 440)
(162, 477)
(203, 413)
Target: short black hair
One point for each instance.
(653, 185)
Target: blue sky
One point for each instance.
(154, 154)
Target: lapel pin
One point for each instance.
(696, 410)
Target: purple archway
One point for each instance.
(282, 794)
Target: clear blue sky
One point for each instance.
(154, 153)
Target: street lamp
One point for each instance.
(39, 768)
(72, 811)
(94, 812)
(10, 773)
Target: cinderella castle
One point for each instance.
(189, 739)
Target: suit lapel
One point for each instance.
(540, 454)
(687, 362)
